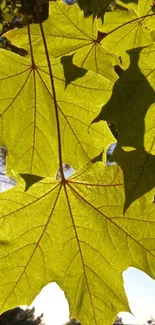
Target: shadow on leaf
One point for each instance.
(30, 180)
(71, 71)
(129, 107)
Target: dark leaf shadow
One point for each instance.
(130, 101)
(30, 180)
(71, 71)
(129, 1)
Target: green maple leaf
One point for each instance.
(145, 7)
(131, 107)
(28, 115)
(74, 233)
(68, 32)
(127, 29)
(130, 4)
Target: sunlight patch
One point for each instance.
(128, 149)
(109, 154)
(67, 169)
(5, 181)
(53, 304)
(140, 290)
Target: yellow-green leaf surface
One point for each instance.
(126, 29)
(132, 107)
(28, 122)
(68, 32)
(130, 4)
(74, 232)
(144, 7)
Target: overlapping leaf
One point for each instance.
(144, 7)
(74, 231)
(132, 108)
(130, 4)
(66, 232)
(28, 120)
(68, 32)
(127, 29)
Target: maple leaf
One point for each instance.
(74, 233)
(130, 4)
(69, 236)
(142, 6)
(68, 32)
(28, 111)
(128, 29)
(75, 230)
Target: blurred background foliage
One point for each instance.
(16, 13)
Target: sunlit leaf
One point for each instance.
(28, 122)
(74, 233)
(70, 236)
(130, 4)
(68, 32)
(144, 7)
(126, 29)
(74, 217)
